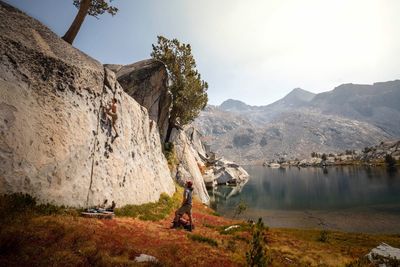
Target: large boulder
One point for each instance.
(146, 82)
(188, 168)
(226, 172)
(384, 255)
(53, 143)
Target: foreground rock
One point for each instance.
(384, 255)
(53, 144)
(146, 258)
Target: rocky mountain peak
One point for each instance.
(300, 94)
(297, 96)
(234, 105)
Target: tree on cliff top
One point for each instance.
(87, 7)
(189, 91)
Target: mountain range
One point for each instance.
(351, 116)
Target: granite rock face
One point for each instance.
(146, 82)
(194, 136)
(188, 168)
(54, 142)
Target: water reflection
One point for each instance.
(312, 189)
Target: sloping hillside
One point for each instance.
(378, 104)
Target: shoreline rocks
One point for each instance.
(370, 156)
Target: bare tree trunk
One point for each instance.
(73, 30)
(171, 125)
(169, 131)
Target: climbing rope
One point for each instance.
(95, 142)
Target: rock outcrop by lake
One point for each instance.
(374, 155)
(215, 170)
(146, 82)
(53, 143)
(201, 166)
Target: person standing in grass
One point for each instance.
(186, 205)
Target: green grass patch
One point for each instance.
(170, 155)
(19, 204)
(203, 239)
(214, 213)
(153, 211)
(240, 238)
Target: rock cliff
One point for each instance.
(188, 167)
(146, 82)
(53, 143)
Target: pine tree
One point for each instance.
(87, 7)
(256, 255)
(189, 91)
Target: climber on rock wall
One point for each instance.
(111, 110)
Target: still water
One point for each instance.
(344, 198)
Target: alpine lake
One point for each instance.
(345, 198)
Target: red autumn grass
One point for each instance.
(30, 238)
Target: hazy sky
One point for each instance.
(252, 50)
